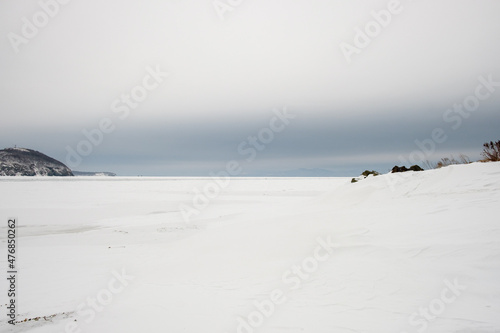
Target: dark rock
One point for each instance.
(399, 169)
(404, 169)
(366, 173)
(416, 168)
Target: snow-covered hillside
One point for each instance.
(27, 162)
(413, 252)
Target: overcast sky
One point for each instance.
(229, 66)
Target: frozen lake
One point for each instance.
(388, 254)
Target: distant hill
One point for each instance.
(89, 174)
(27, 162)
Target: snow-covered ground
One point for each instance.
(393, 253)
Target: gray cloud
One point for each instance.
(227, 76)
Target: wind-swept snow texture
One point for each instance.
(413, 252)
